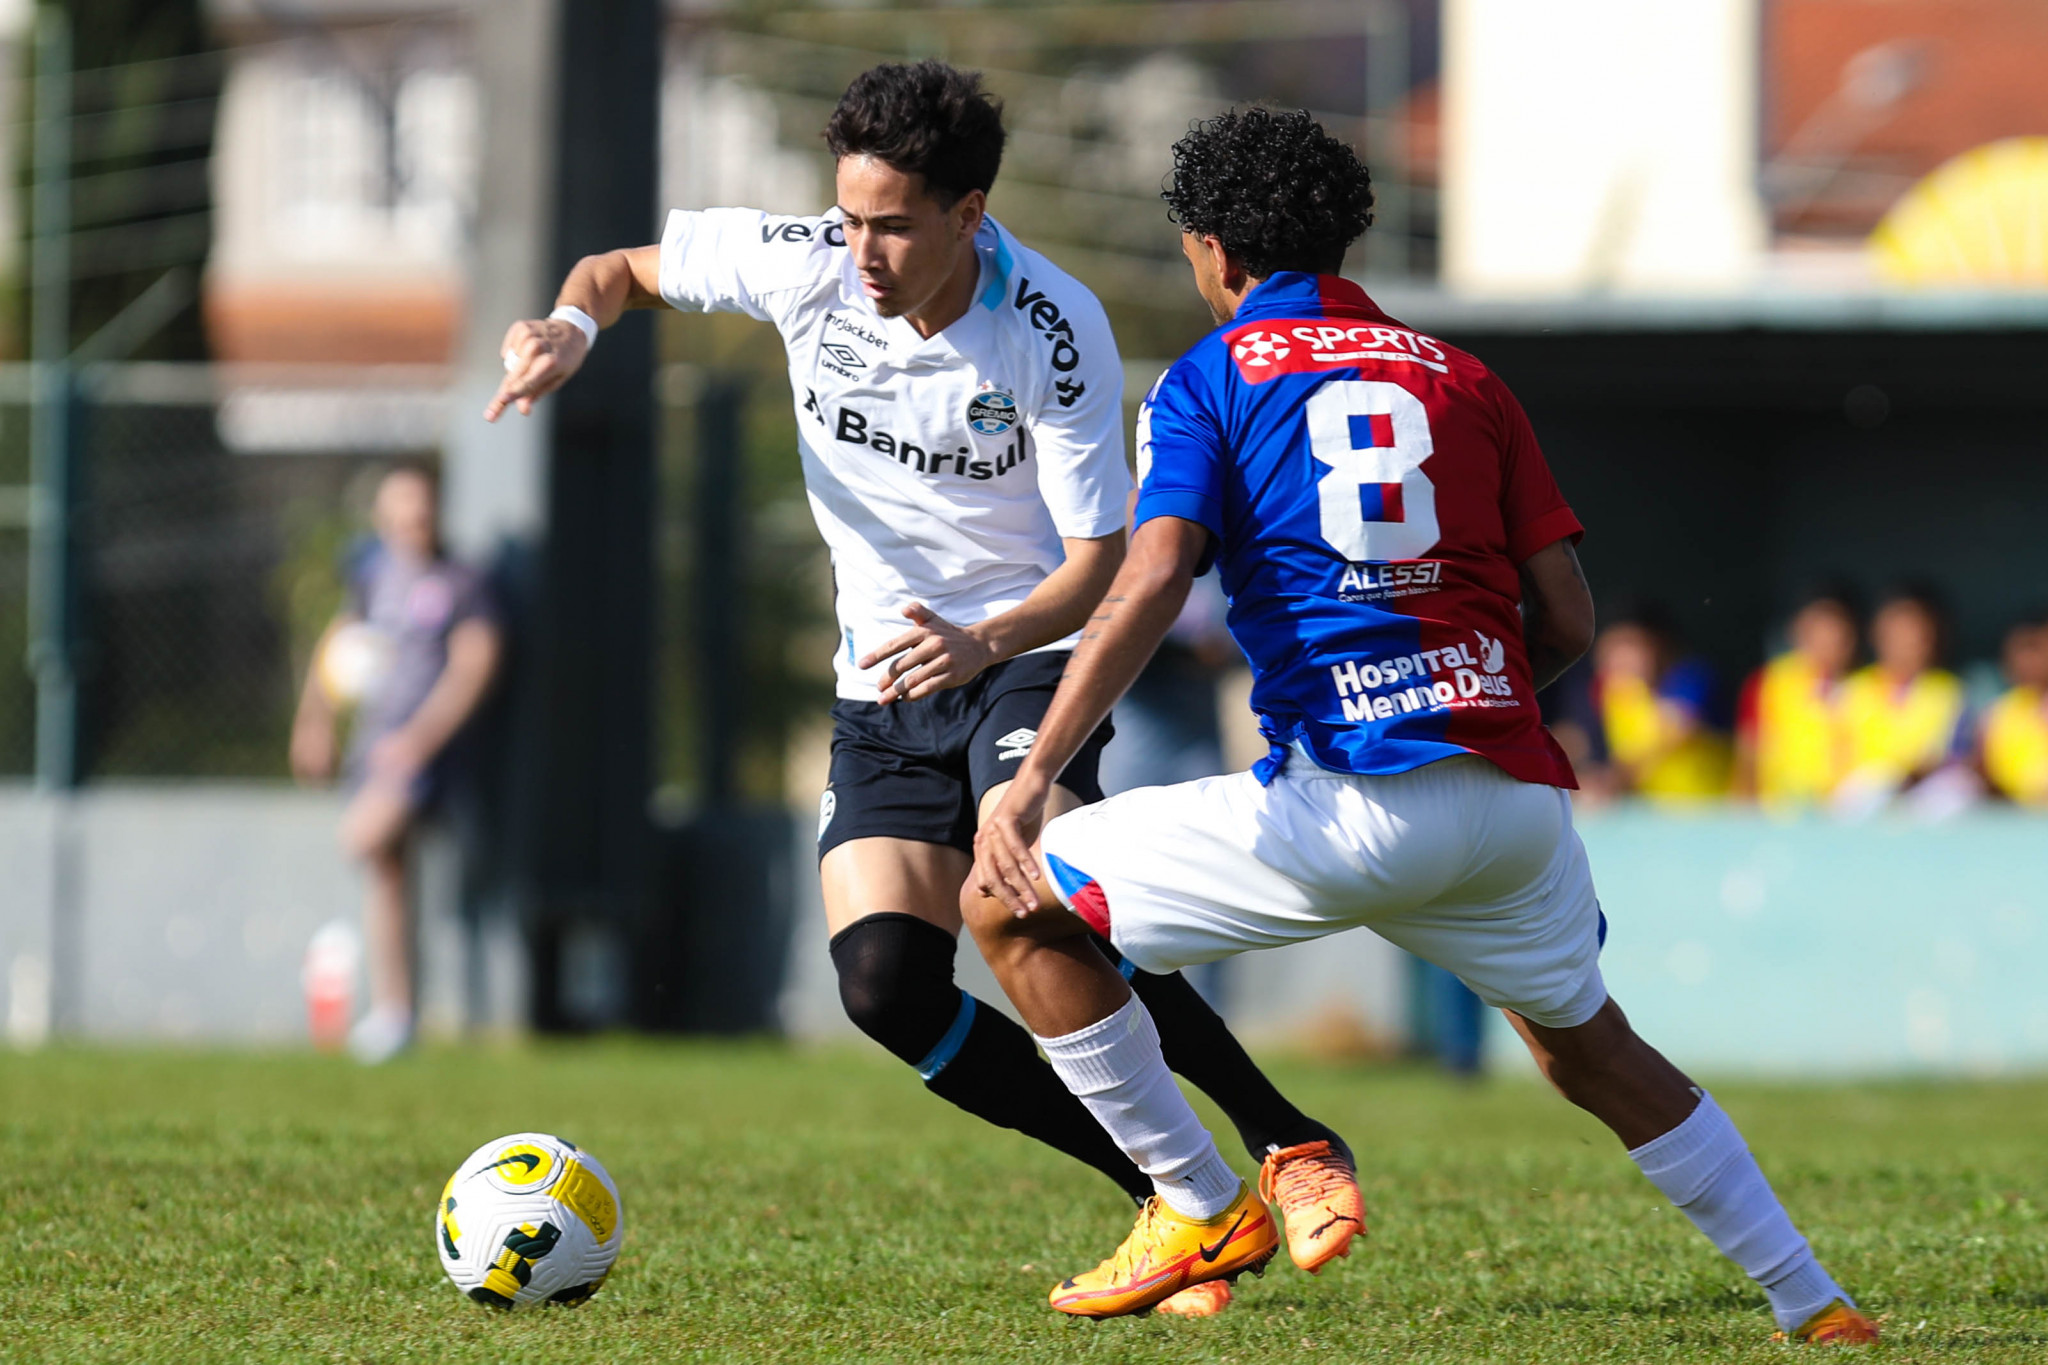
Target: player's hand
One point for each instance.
(1004, 866)
(931, 657)
(540, 356)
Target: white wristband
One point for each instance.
(585, 323)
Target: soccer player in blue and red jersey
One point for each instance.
(1400, 570)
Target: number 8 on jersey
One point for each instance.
(1377, 503)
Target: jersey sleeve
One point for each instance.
(474, 599)
(1180, 453)
(738, 260)
(1532, 506)
(1078, 433)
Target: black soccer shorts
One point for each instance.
(918, 769)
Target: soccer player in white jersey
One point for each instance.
(959, 417)
(1401, 575)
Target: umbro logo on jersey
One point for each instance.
(1016, 744)
(845, 355)
(1266, 350)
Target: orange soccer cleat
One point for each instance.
(1316, 1188)
(1204, 1300)
(1166, 1253)
(1838, 1324)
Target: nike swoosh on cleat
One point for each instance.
(1211, 1253)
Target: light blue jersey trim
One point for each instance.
(999, 283)
(949, 1046)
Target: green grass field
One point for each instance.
(789, 1205)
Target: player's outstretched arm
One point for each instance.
(1557, 611)
(542, 353)
(1143, 602)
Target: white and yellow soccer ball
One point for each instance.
(529, 1218)
(352, 663)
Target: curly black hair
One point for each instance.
(1273, 187)
(927, 119)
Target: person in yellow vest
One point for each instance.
(1790, 744)
(1656, 712)
(1901, 713)
(2012, 738)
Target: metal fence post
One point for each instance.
(1387, 78)
(52, 594)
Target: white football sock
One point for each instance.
(1115, 1068)
(1704, 1167)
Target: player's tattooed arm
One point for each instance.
(1104, 614)
(1557, 611)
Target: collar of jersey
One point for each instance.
(992, 244)
(1295, 293)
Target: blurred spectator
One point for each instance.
(2012, 741)
(1789, 742)
(1656, 712)
(413, 653)
(1901, 713)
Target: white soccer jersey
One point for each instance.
(944, 471)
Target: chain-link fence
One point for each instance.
(206, 567)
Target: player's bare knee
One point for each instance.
(999, 931)
(990, 921)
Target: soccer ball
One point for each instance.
(529, 1219)
(353, 663)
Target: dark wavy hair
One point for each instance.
(1273, 187)
(927, 119)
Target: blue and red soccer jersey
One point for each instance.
(1372, 493)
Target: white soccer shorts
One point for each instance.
(1456, 862)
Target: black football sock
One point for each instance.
(998, 1075)
(1201, 1047)
(896, 982)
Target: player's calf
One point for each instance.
(1690, 1150)
(896, 982)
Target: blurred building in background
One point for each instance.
(1770, 276)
